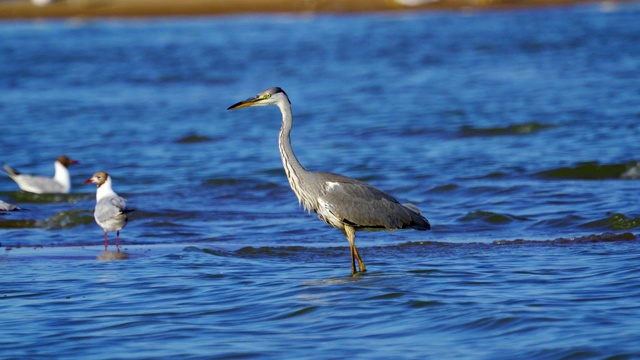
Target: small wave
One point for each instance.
(285, 251)
(298, 312)
(594, 171)
(445, 188)
(226, 181)
(310, 253)
(494, 175)
(193, 139)
(245, 184)
(27, 197)
(518, 129)
(606, 237)
(61, 220)
(491, 217)
(632, 173)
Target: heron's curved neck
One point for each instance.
(294, 170)
(291, 164)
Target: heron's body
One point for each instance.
(111, 210)
(59, 184)
(342, 202)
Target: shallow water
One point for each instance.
(516, 133)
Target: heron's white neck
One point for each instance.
(292, 167)
(105, 190)
(61, 176)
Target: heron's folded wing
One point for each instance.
(364, 206)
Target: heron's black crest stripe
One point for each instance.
(279, 90)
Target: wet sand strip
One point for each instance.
(24, 9)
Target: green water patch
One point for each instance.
(61, 220)
(18, 224)
(67, 219)
(614, 222)
(511, 130)
(491, 217)
(621, 222)
(594, 171)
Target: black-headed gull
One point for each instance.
(60, 183)
(111, 210)
(7, 207)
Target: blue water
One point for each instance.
(515, 132)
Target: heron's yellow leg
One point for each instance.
(350, 232)
(360, 262)
(353, 262)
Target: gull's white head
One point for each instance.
(98, 178)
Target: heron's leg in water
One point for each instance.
(350, 232)
(360, 262)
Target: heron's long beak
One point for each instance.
(245, 103)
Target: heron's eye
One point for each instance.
(266, 96)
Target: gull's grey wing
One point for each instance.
(34, 183)
(43, 184)
(108, 208)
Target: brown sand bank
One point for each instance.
(24, 9)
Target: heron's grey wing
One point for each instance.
(108, 208)
(364, 206)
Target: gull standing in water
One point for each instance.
(111, 210)
(342, 202)
(59, 184)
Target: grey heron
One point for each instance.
(342, 202)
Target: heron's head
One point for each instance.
(271, 96)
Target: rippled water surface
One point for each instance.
(516, 133)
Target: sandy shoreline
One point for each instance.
(24, 9)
